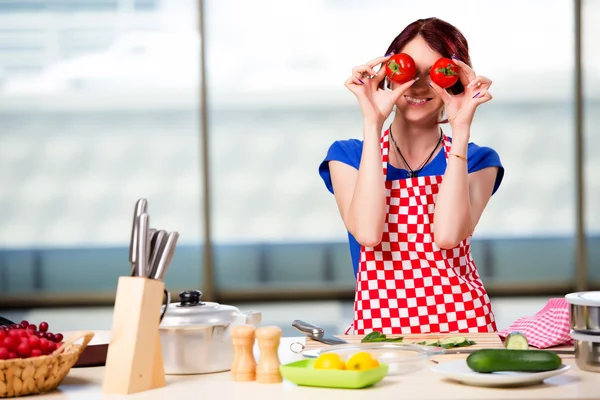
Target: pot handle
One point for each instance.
(252, 317)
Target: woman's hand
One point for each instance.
(376, 104)
(460, 108)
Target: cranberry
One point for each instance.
(15, 334)
(25, 324)
(32, 327)
(31, 333)
(42, 335)
(24, 350)
(10, 343)
(52, 347)
(58, 337)
(2, 334)
(34, 342)
(50, 336)
(23, 333)
(11, 355)
(44, 345)
(36, 352)
(3, 353)
(3, 327)
(43, 327)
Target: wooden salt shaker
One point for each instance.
(267, 370)
(244, 364)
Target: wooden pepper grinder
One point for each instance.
(267, 370)
(244, 364)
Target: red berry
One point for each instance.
(23, 349)
(51, 347)
(19, 326)
(44, 344)
(36, 352)
(11, 355)
(50, 336)
(42, 335)
(25, 324)
(15, 334)
(10, 343)
(32, 327)
(43, 327)
(30, 332)
(2, 334)
(3, 353)
(34, 342)
(58, 337)
(23, 333)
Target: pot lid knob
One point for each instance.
(190, 298)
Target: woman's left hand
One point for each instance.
(460, 108)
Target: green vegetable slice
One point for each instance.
(516, 341)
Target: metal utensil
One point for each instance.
(142, 245)
(166, 256)
(141, 206)
(317, 333)
(158, 247)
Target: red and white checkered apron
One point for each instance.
(407, 284)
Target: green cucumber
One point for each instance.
(516, 341)
(496, 360)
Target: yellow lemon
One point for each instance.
(329, 361)
(362, 361)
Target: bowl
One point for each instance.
(587, 351)
(26, 376)
(584, 312)
(401, 358)
(303, 373)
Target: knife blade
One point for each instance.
(166, 256)
(141, 206)
(142, 245)
(469, 351)
(158, 245)
(316, 333)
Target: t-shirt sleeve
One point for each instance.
(484, 157)
(346, 151)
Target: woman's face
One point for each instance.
(420, 102)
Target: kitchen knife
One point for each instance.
(158, 245)
(142, 245)
(316, 333)
(141, 206)
(469, 351)
(166, 256)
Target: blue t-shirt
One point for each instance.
(350, 152)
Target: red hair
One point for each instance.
(441, 36)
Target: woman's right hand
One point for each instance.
(376, 104)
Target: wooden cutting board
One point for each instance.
(483, 340)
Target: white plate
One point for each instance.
(460, 371)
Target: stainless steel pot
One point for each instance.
(196, 335)
(584, 312)
(587, 351)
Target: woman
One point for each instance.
(414, 276)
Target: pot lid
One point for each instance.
(582, 336)
(191, 311)
(590, 299)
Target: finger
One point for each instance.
(483, 97)
(400, 89)
(364, 70)
(380, 74)
(479, 81)
(353, 81)
(465, 73)
(444, 95)
(379, 60)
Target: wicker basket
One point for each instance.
(22, 377)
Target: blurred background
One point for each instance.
(219, 113)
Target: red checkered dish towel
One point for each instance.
(549, 327)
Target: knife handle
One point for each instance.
(312, 330)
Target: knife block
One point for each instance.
(134, 361)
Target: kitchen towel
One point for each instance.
(549, 327)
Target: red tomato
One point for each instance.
(444, 73)
(400, 68)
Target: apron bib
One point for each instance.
(407, 284)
